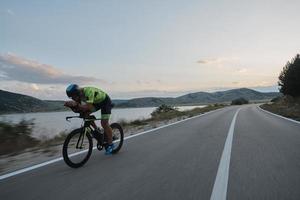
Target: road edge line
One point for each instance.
(280, 116)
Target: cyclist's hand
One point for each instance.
(83, 115)
(71, 104)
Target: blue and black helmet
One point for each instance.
(72, 89)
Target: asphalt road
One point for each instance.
(181, 162)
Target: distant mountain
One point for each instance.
(18, 103)
(226, 96)
(201, 98)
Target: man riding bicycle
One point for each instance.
(90, 99)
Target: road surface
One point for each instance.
(238, 152)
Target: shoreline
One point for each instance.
(114, 108)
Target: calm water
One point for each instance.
(50, 124)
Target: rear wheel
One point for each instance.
(77, 148)
(117, 136)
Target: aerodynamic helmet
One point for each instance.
(72, 89)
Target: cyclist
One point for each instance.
(90, 99)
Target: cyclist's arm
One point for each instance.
(86, 108)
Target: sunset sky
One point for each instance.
(138, 48)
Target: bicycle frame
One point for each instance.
(88, 127)
(87, 130)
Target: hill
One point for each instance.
(18, 103)
(201, 98)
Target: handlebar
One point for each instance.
(70, 117)
(87, 118)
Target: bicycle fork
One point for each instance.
(81, 139)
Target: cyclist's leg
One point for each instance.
(95, 108)
(107, 130)
(105, 115)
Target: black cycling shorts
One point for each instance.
(105, 106)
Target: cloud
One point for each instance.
(41, 91)
(35, 87)
(16, 68)
(220, 60)
(242, 71)
(209, 61)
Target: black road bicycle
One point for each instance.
(78, 145)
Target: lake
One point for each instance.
(49, 124)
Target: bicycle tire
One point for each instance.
(116, 126)
(67, 160)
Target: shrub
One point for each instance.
(165, 112)
(16, 137)
(239, 101)
(276, 99)
(163, 109)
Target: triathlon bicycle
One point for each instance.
(78, 145)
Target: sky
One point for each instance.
(139, 48)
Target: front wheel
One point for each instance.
(117, 136)
(77, 148)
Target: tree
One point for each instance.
(239, 101)
(163, 109)
(289, 78)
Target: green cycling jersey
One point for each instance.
(93, 95)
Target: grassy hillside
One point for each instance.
(18, 103)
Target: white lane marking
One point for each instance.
(126, 138)
(29, 168)
(39, 165)
(220, 186)
(279, 115)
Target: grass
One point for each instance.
(137, 122)
(16, 137)
(57, 140)
(286, 106)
